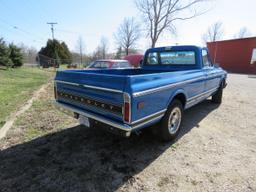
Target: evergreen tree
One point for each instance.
(55, 51)
(15, 55)
(4, 54)
(65, 55)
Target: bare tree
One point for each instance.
(214, 33)
(160, 15)
(80, 47)
(29, 53)
(101, 51)
(243, 33)
(127, 34)
(103, 47)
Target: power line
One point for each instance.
(75, 32)
(14, 27)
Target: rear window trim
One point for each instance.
(175, 65)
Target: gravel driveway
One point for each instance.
(216, 151)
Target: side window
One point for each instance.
(104, 65)
(96, 65)
(152, 58)
(124, 65)
(205, 57)
(116, 65)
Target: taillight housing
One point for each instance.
(127, 108)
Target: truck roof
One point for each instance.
(176, 47)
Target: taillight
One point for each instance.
(127, 108)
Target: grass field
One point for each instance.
(17, 86)
(41, 119)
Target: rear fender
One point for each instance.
(177, 92)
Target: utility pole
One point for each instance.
(52, 28)
(56, 54)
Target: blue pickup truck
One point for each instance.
(170, 80)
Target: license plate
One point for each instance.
(84, 121)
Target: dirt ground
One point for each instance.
(216, 151)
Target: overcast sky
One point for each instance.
(25, 21)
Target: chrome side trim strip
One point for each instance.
(149, 91)
(65, 82)
(146, 122)
(90, 86)
(152, 115)
(199, 98)
(204, 93)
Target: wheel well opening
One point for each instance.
(182, 98)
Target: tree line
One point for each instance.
(157, 17)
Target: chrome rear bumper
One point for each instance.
(150, 119)
(71, 111)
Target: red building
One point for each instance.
(236, 55)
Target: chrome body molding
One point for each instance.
(200, 97)
(150, 91)
(213, 75)
(90, 86)
(125, 127)
(159, 113)
(146, 122)
(201, 94)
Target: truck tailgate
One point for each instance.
(97, 93)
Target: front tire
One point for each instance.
(217, 97)
(171, 122)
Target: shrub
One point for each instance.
(5, 54)
(15, 55)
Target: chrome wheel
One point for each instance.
(174, 120)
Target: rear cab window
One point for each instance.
(171, 58)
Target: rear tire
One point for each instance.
(217, 97)
(171, 122)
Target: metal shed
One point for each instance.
(235, 55)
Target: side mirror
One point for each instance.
(141, 62)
